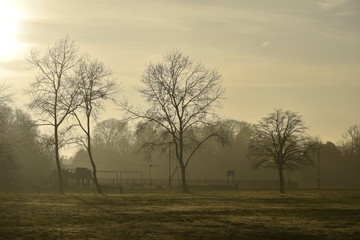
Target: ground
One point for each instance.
(226, 214)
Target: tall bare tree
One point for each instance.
(53, 94)
(96, 85)
(181, 94)
(279, 141)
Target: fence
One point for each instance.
(135, 179)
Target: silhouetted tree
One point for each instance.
(5, 115)
(181, 94)
(113, 135)
(22, 161)
(111, 145)
(6, 118)
(280, 141)
(95, 86)
(53, 95)
(351, 142)
(230, 153)
(5, 97)
(149, 140)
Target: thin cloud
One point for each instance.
(345, 13)
(265, 44)
(329, 4)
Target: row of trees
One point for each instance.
(69, 84)
(24, 153)
(182, 96)
(119, 147)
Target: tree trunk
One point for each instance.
(183, 178)
(58, 164)
(94, 172)
(281, 180)
(181, 162)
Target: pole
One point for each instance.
(169, 165)
(318, 172)
(150, 175)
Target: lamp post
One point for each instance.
(318, 170)
(150, 181)
(169, 165)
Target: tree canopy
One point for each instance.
(280, 141)
(182, 94)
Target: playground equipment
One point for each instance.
(78, 177)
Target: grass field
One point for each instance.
(325, 214)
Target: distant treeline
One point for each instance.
(26, 155)
(119, 147)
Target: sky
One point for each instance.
(302, 56)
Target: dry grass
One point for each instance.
(326, 214)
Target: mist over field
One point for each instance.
(179, 119)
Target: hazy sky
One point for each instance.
(298, 55)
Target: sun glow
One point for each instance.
(9, 17)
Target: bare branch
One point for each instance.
(53, 95)
(181, 94)
(280, 141)
(5, 98)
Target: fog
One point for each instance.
(125, 158)
(180, 119)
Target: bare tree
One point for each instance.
(96, 85)
(113, 135)
(351, 142)
(53, 95)
(181, 94)
(151, 142)
(5, 113)
(5, 97)
(279, 141)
